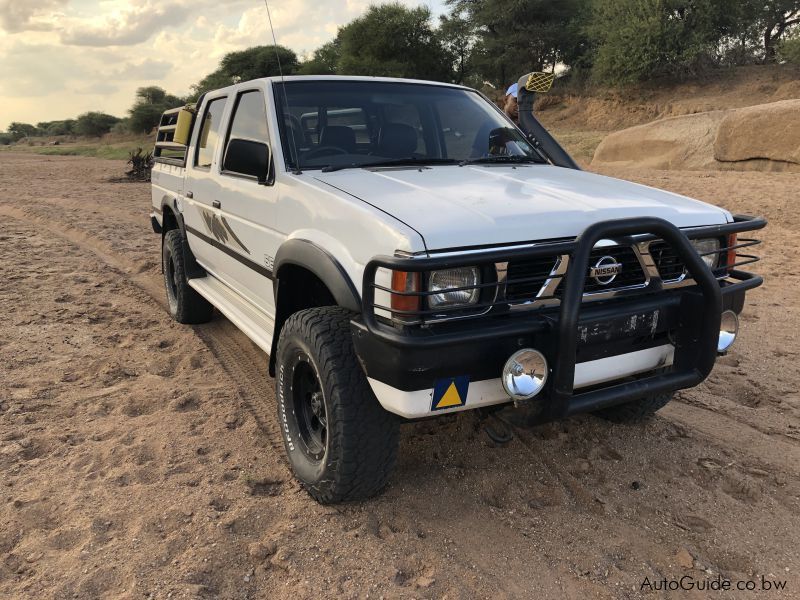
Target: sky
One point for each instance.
(60, 58)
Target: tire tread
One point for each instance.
(363, 437)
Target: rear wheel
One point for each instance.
(341, 444)
(185, 304)
(637, 410)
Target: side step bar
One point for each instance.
(250, 320)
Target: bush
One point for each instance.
(95, 124)
(636, 40)
(5, 139)
(65, 127)
(121, 128)
(141, 165)
(21, 130)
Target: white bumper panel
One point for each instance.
(417, 404)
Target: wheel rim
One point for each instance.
(309, 409)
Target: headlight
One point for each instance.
(453, 278)
(703, 247)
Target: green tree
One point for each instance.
(776, 18)
(457, 35)
(517, 36)
(393, 41)
(789, 49)
(64, 127)
(244, 65)
(150, 103)
(20, 130)
(142, 117)
(641, 39)
(94, 124)
(324, 61)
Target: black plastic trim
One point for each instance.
(319, 261)
(193, 269)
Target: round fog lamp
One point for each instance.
(524, 374)
(728, 328)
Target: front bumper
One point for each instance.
(600, 354)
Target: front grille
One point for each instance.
(526, 277)
(631, 274)
(670, 266)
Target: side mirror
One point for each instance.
(247, 157)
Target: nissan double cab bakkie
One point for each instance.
(401, 249)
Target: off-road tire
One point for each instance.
(361, 438)
(185, 304)
(637, 410)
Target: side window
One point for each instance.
(209, 133)
(249, 118)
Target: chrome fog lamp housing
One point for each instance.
(728, 330)
(524, 374)
(462, 277)
(705, 246)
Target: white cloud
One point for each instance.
(59, 58)
(148, 69)
(28, 15)
(130, 24)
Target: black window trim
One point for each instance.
(270, 169)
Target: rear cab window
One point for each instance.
(208, 138)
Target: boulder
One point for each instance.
(765, 131)
(764, 137)
(685, 142)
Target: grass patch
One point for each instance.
(100, 149)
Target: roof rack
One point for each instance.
(172, 140)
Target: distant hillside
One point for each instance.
(599, 109)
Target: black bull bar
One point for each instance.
(695, 340)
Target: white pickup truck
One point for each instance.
(401, 249)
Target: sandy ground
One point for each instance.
(140, 458)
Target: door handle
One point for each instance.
(189, 194)
(216, 204)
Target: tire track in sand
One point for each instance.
(236, 354)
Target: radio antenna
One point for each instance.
(285, 97)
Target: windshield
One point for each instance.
(348, 124)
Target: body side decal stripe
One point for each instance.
(260, 269)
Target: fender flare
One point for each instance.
(193, 270)
(321, 263)
(308, 255)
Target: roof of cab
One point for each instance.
(291, 78)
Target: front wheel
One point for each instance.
(341, 443)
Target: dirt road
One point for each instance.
(140, 459)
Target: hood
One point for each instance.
(452, 206)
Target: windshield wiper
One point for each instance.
(397, 162)
(500, 159)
